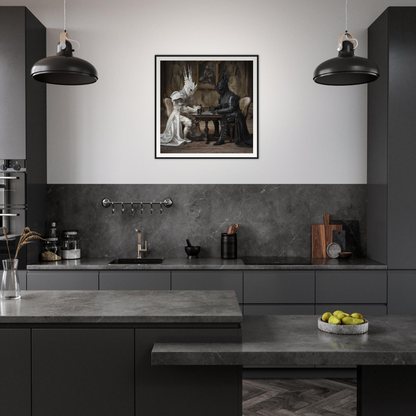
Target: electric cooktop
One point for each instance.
(270, 261)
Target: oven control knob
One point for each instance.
(3, 167)
(17, 167)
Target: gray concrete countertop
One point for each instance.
(101, 307)
(208, 264)
(296, 340)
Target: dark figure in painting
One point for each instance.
(229, 107)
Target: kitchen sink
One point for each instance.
(136, 261)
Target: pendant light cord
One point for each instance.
(64, 15)
(346, 16)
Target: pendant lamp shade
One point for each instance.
(64, 69)
(346, 69)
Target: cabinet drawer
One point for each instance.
(279, 287)
(279, 309)
(402, 289)
(351, 287)
(135, 280)
(62, 280)
(365, 309)
(22, 279)
(209, 280)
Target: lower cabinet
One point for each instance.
(62, 280)
(209, 280)
(346, 286)
(82, 372)
(402, 289)
(135, 280)
(22, 279)
(15, 372)
(265, 309)
(186, 390)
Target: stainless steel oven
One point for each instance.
(12, 189)
(12, 205)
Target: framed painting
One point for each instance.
(206, 106)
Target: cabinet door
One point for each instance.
(62, 280)
(83, 372)
(12, 83)
(351, 286)
(194, 390)
(135, 280)
(402, 289)
(279, 287)
(22, 279)
(264, 309)
(15, 383)
(209, 280)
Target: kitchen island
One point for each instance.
(89, 353)
(386, 355)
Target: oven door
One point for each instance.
(13, 220)
(12, 189)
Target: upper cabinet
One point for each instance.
(22, 100)
(392, 139)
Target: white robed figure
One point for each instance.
(173, 134)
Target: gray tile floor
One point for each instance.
(294, 397)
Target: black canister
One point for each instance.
(228, 246)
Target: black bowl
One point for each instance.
(192, 251)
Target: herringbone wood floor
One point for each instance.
(294, 397)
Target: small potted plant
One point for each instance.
(10, 285)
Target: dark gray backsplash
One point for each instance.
(275, 220)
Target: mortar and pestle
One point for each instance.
(192, 251)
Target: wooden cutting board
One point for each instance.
(321, 237)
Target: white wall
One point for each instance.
(104, 133)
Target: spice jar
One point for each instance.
(51, 250)
(71, 248)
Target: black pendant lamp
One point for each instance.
(64, 69)
(346, 68)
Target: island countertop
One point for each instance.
(209, 264)
(296, 340)
(127, 307)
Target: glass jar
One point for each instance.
(71, 249)
(51, 251)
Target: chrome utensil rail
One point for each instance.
(107, 202)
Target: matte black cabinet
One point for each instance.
(135, 280)
(209, 280)
(391, 224)
(189, 390)
(83, 372)
(279, 286)
(23, 114)
(402, 290)
(15, 372)
(22, 43)
(62, 280)
(351, 287)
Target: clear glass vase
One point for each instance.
(10, 285)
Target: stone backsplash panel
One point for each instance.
(275, 220)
